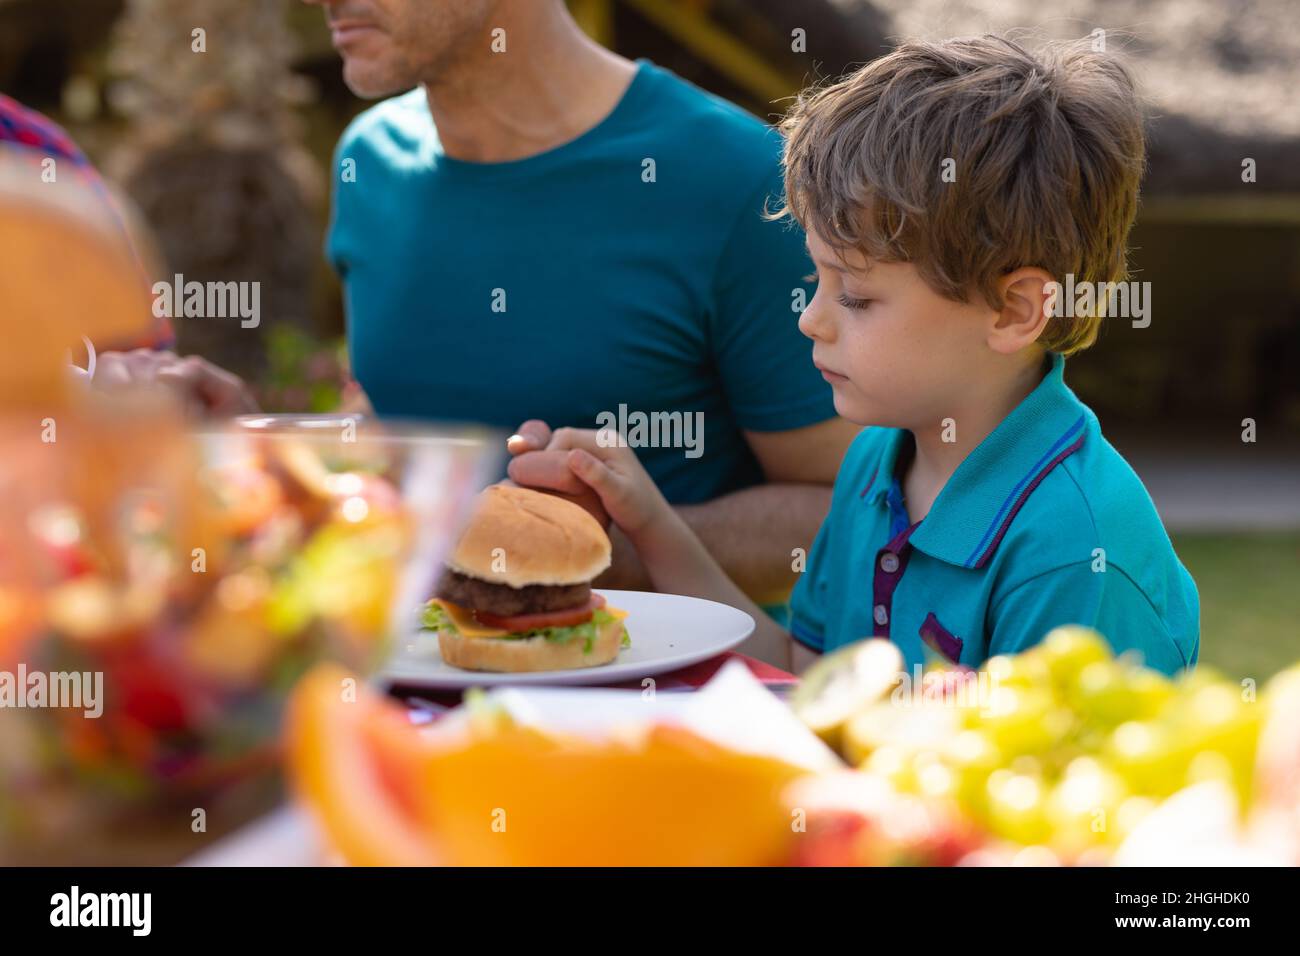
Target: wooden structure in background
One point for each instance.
(1221, 254)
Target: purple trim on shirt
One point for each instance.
(885, 583)
(1016, 490)
(940, 639)
(871, 481)
(900, 540)
(1024, 496)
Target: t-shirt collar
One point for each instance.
(969, 518)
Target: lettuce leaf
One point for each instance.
(434, 618)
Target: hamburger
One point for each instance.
(516, 593)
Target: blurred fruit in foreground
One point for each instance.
(1068, 749)
(1017, 807)
(856, 819)
(1022, 720)
(495, 793)
(1068, 650)
(1199, 825)
(355, 758)
(20, 615)
(1084, 807)
(1148, 755)
(1108, 693)
(200, 579)
(1278, 769)
(842, 683)
(912, 728)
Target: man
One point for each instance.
(544, 230)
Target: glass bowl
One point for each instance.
(167, 588)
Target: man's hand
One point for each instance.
(203, 388)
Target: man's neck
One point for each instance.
(940, 450)
(550, 86)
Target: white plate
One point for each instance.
(668, 631)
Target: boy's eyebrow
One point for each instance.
(838, 266)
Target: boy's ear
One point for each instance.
(1025, 309)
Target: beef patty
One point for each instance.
(504, 601)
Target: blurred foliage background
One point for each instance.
(239, 140)
(228, 154)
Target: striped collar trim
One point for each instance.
(977, 506)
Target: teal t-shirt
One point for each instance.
(1042, 524)
(626, 273)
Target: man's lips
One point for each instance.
(345, 31)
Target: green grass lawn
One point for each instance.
(1250, 599)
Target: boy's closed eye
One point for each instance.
(855, 304)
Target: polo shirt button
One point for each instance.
(889, 562)
(881, 615)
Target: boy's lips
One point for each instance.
(830, 376)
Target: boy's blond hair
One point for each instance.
(1047, 153)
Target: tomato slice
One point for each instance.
(528, 622)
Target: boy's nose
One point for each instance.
(815, 323)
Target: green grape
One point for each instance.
(1153, 690)
(1024, 721)
(973, 756)
(1214, 721)
(1083, 807)
(1101, 694)
(1210, 765)
(1108, 693)
(1017, 807)
(1198, 677)
(892, 764)
(1148, 756)
(916, 727)
(934, 778)
(1068, 650)
(1019, 670)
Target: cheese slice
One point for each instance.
(469, 625)
(466, 623)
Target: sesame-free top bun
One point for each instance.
(542, 539)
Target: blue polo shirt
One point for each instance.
(1042, 524)
(624, 274)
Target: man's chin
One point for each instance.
(370, 82)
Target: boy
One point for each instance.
(945, 190)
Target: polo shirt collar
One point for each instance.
(972, 513)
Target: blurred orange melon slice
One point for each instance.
(353, 758)
(506, 795)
